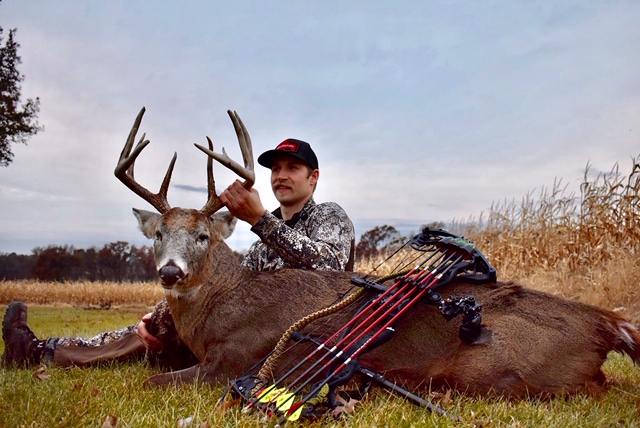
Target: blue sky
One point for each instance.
(418, 111)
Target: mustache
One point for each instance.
(277, 183)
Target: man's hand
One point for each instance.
(148, 340)
(242, 203)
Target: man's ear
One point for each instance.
(147, 221)
(225, 223)
(314, 177)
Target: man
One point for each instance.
(299, 234)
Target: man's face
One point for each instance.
(292, 180)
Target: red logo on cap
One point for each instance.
(288, 146)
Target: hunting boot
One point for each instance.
(21, 346)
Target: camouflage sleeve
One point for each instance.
(325, 245)
(161, 310)
(252, 258)
(99, 339)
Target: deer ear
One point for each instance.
(225, 223)
(147, 221)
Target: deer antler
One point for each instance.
(124, 169)
(247, 172)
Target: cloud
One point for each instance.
(418, 111)
(188, 188)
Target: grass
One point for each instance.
(583, 247)
(79, 397)
(81, 293)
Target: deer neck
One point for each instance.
(222, 269)
(219, 274)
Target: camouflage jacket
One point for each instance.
(320, 236)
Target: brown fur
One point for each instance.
(532, 343)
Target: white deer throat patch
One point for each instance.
(179, 294)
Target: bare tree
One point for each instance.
(377, 241)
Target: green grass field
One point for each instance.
(585, 248)
(87, 397)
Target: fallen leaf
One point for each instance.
(186, 422)
(436, 395)
(446, 398)
(111, 421)
(41, 374)
(227, 404)
(347, 407)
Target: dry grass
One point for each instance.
(94, 294)
(584, 247)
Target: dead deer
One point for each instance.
(533, 343)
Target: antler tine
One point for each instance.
(247, 172)
(211, 183)
(246, 148)
(213, 201)
(125, 169)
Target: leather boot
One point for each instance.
(21, 346)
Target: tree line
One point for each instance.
(120, 261)
(117, 261)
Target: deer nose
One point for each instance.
(170, 274)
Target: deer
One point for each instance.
(533, 343)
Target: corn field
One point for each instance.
(583, 247)
(82, 293)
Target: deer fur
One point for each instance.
(532, 343)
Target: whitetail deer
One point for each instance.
(230, 316)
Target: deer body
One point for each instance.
(226, 339)
(532, 343)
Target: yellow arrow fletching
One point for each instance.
(284, 402)
(268, 394)
(295, 415)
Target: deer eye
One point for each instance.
(202, 239)
(158, 236)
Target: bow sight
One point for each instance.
(308, 385)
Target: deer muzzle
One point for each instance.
(170, 274)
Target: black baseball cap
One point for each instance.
(292, 147)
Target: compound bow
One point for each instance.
(308, 387)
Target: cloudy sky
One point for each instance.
(418, 111)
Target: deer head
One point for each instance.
(184, 238)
